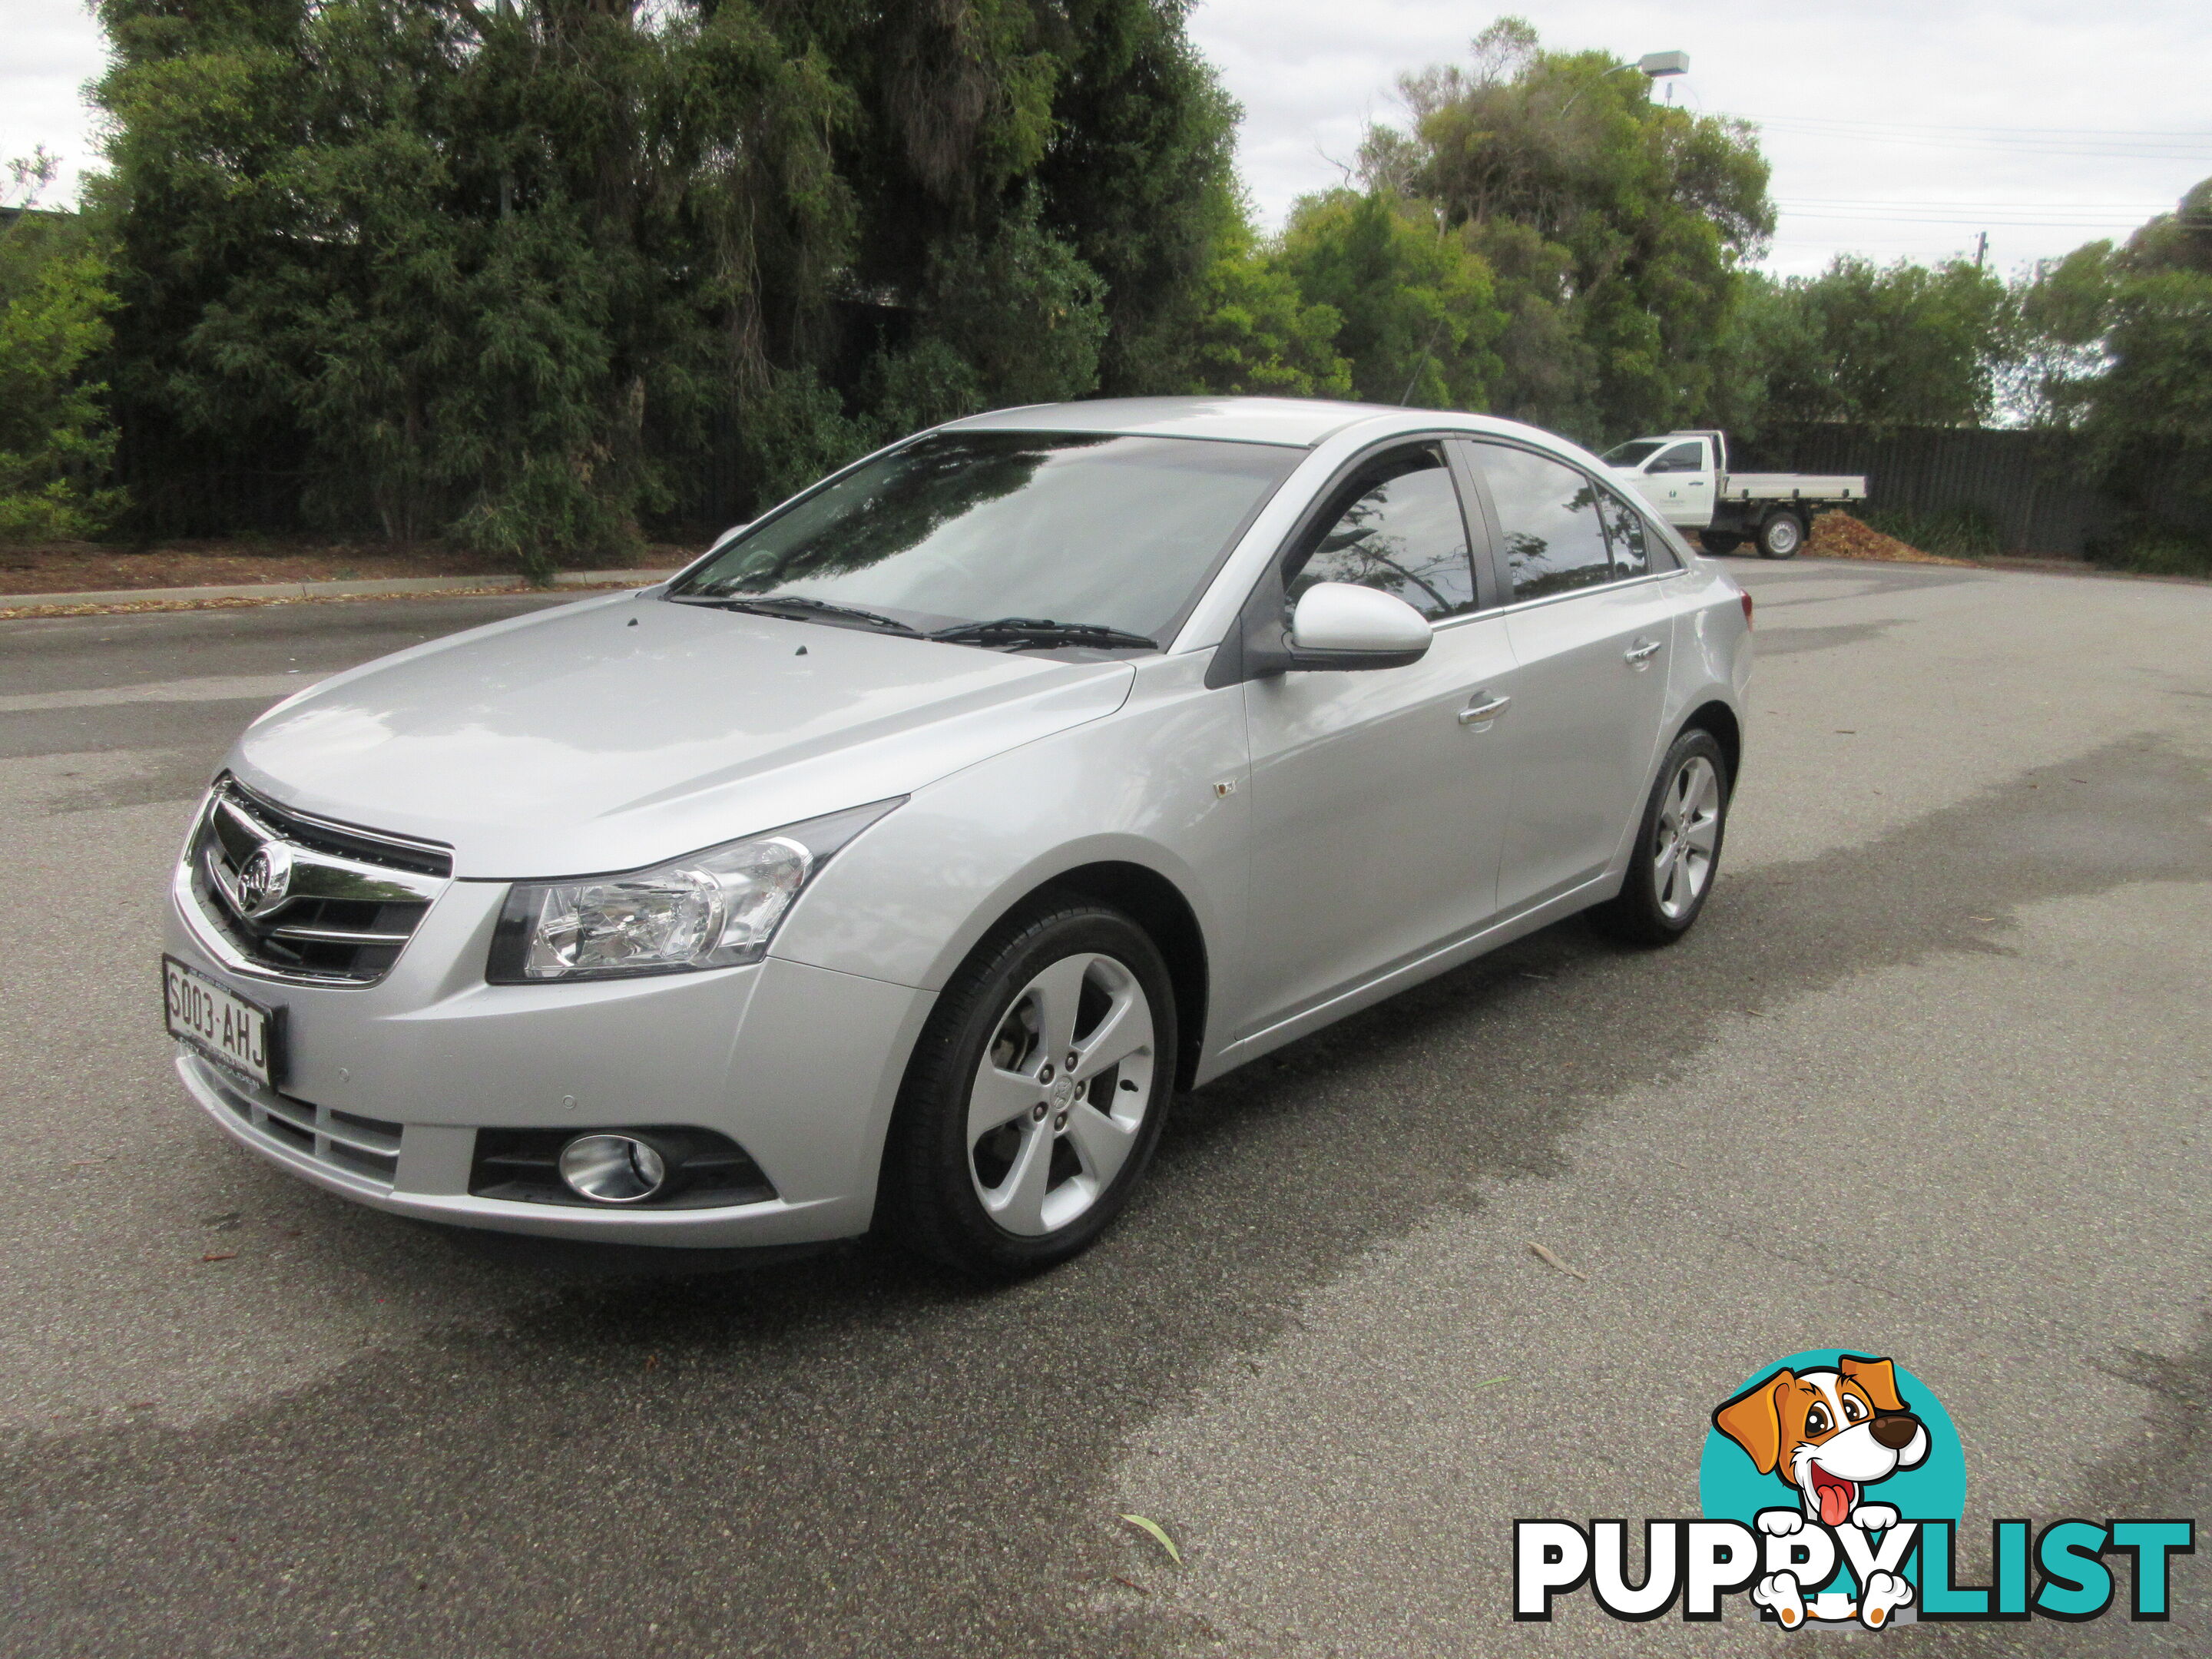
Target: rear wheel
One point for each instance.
(1719, 541)
(1780, 535)
(1678, 846)
(1036, 1093)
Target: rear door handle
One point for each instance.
(1642, 652)
(1477, 713)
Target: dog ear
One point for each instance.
(1754, 1420)
(1877, 1377)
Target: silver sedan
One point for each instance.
(895, 864)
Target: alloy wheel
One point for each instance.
(1060, 1094)
(1687, 834)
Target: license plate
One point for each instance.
(222, 1024)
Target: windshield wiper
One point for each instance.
(1024, 631)
(795, 607)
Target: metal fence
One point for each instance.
(2033, 488)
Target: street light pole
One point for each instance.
(1654, 66)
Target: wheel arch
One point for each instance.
(1157, 906)
(1717, 718)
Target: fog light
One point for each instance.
(613, 1169)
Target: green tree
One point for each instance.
(56, 442)
(2137, 321)
(1616, 230)
(1255, 333)
(1140, 178)
(1885, 346)
(1418, 316)
(2064, 309)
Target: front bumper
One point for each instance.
(387, 1084)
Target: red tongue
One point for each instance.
(1835, 1504)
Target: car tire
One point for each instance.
(1780, 535)
(1678, 846)
(1002, 1159)
(1716, 541)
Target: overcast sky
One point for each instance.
(1897, 128)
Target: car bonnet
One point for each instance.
(615, 733)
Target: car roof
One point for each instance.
(1301, 422)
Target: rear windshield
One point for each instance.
(970, 526)
(1633, 454)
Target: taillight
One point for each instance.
(1745, 598)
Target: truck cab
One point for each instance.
(1677, 473)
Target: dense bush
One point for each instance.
(504, 274)
(2127, 363)
(56, 442)
(1957, 533)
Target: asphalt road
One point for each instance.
(1929, 1081)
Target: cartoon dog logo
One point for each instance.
(1829, 1435)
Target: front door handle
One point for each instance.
(1481, 713)
(1642, 652)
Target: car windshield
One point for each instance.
(1086, 528)
(1632, 454)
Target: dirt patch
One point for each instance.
(461, 589)
(92, 567)
(1839, 536)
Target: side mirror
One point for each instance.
(1337, 625)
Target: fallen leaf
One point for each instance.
(652, 1362)
(1550, 1261)
(220, 1256)
(1159, 1535)
(1130, 1583)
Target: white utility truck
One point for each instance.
(1685, 477)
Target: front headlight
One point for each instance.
(713, 909)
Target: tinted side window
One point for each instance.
(1547, 514)
(1400, 531)
(1682, 457)
(1625, 531)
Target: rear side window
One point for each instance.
(1398, 528)
(1547, 514)
(1625, 533)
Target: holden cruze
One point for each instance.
(895, 864)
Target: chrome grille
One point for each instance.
(303, 898)
(365, 1146)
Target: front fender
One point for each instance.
(1160, 783)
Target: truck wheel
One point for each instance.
(1719, 541)
(1780, 535)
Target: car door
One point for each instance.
(1679, 482)
(1591, 629)
(1378, 803)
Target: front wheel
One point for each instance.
(1719, 541)
(1035, 1095)
(1678, 846)
(1780, 535)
